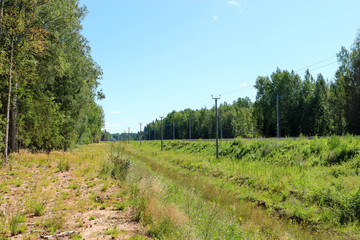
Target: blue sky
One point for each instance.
(164, 55)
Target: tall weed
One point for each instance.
(116, 165)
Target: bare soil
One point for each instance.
(74, 200)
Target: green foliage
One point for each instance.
(55, 79)
(116, 165)
(114, 232)
(236, 121)
(308, 106)
(36, 207)
(15, 220)
(313, 181)
(121, 206)
(53, 222)
(63, 165)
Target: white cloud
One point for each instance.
(116, 112)
(243, 84)
(233, 2)
(215, 18)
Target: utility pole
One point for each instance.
(140, 133)
(189, 128)
(129, 135)
(217, 126)
(221, 135)
(174, 130)
(277, 117)
(161, 133)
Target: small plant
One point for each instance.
(103, 207)
(76, 237)
(114, 233)
(92, 218)
(38, 209)
(15, 221)
(116, 166)
(53, 223)
(104, 187)
(74, 186)
(120, 206)
(63, 165)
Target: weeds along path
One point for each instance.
(44, 195)
(255, 218)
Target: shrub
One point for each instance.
(116, 166)
(333, 142)
(350, 209)
(339, 155)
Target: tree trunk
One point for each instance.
(1, 16)
(9, 101)
(13, 122)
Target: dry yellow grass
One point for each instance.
(59, 192)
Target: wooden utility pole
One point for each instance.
(161, 133)
(217, 126)
(128, 135)
(140, 133)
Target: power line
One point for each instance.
(320, 67)
(315, 63)
(238, 90)
(205, 99)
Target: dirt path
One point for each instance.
(50, 201)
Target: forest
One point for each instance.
(49, 81)
(308, 106)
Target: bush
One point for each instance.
(339, 155)
(350, 209)
(116, 166)
(333, 142)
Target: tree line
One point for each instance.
(49, 81)
(307, 106)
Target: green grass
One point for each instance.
(63, 165)
(15, 223)
(53, 223)
(313, 183)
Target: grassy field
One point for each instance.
(257, 189)
(274, 188)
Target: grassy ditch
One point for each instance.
(168, 210)
(312, 183)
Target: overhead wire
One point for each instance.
(306, 67)
(310, 70)
(244, 89)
